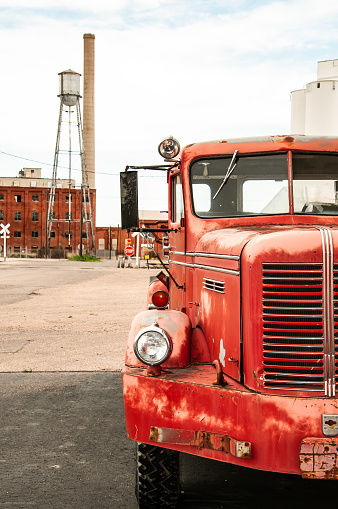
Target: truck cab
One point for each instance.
(241, 365)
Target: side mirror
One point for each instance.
(129, 199)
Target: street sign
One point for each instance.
(129, 251)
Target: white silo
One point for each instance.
(314, 110)
(298, 101)
(321, 113)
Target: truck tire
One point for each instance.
(157, 477)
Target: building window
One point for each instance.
(17, 233)
(17, 215)
(52, 216)
(35, 215)
(35, 234)
(17, 198)
(52, 235)
(67, 198)
(68, 215)
(67, 235)
(84, 235)
(1, 214)
(35, 197)
(2, 197)
(17, 249)
(87, 199)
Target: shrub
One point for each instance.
(84, 258)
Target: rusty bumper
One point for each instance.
(183, 410)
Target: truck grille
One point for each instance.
(295, 323)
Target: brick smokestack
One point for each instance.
(88, 105)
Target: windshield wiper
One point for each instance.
(231, 168)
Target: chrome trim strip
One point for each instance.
(329, 346)
(208, 255)
(206, 267)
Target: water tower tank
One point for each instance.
(69, 88)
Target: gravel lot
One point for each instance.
(59, 315)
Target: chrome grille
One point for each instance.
(293, 327)
(335, 312)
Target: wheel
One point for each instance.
(157, 477)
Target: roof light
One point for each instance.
(169, 148)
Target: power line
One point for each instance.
(73, 169)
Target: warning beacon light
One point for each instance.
(169, 148)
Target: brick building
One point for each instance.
(24, 205)
(116, 238)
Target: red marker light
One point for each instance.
(160, 299)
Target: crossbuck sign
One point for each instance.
(4, 234)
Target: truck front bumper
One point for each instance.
(183, 409)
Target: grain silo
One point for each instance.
(314, 109)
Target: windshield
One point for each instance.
(256, 185)
(315, 183)
(241, 185)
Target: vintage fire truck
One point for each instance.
(236, 357)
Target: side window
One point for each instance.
(177, 207)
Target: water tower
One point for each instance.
(69, 93)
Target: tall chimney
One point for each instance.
(88, 105)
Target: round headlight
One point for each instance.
(152, 345)
(169, 148)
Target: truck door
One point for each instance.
(176, 240)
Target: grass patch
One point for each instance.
(84, 258)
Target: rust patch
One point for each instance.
(202, 440)
(318, 458)
(219, 374)
(154, 370)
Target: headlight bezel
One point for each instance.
(153, 328)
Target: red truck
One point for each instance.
(236, 357)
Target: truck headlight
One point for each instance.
(152, 345)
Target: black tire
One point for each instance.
(157, 477)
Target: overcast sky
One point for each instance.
(196, 69)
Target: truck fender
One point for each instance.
(200, 353)
(176, 324)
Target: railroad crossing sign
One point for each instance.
(4, 233)
(4, 229)
(129, 251)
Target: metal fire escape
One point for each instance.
(70, 97)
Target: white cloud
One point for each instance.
(161, 68)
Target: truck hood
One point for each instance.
(231, 241)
